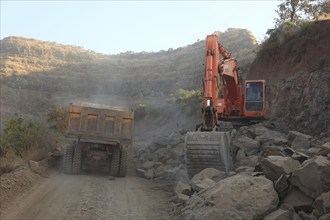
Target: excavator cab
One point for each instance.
(254, 98)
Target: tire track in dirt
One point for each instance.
(91, 196)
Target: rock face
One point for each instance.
(236, 197)
(299, 83)
(313, 176)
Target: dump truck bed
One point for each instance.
(100, 124)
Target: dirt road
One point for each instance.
(91, 196)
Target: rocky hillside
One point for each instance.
(37, 76)
(296, 65)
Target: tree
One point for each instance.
(294, 11)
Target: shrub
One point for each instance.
(58, 119)
(8, 162)
(24, 136)
(282, 34)
(140, 111)
(185, 98)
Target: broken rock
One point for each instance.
(282, 186)
(237, 197)
(249, 145)
(279, 214)
(293, 134)
(180, 199)
(313, 176)
(210, 173)
(183, 188)
(202, 184)
(301, 142)
(274, 166)
(299, 200)
(322, 203)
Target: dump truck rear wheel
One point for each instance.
(123, 162)
(67, 161)
(115, 161)
(76, 163)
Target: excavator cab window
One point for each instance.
(254, 96)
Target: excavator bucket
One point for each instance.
(207, 150)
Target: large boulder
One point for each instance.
(183, 188)
(301, 142)
(175, 139)
(298, 200)
(250, 161)
(324, 150)
(236, 197)
(202, 184)
(274, 166)
(322, 203)
(249, 145)
(148, 165)
(313, 176)
(279, 214)
(263, 134)
(293, 134)
(282, 186)
(40, 167)
(325, 217)
(210, 173)
(180, 199)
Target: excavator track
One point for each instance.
(207, 150)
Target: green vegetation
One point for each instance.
(143, 111)
(281, 35)
(187, 100)
(23, 136)
(294, 16)
(24, 139)
(58, 119)
(294, 12)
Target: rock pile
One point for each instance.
(279, 174)
(164, 157)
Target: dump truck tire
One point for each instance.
(123, 162)
(67, 160)
(115, 162)
(207, 150)
(76, 162)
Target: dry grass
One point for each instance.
(35, 153)
(9, 162)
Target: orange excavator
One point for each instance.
(226, 104)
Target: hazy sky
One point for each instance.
(117, 26)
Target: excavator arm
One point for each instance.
(220, 74)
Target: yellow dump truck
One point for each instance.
(100, 135)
